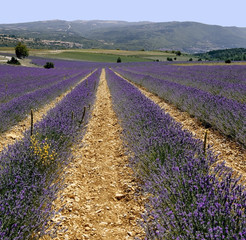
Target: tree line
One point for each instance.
(233, 54)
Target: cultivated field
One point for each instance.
(102, 55)
(137, 150)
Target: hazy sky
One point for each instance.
(218, 12)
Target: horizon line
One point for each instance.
(112, 20)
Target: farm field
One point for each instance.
(117, 151)
(102, 55)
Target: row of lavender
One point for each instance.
(31, 170)
(17, 109)
(228, 81)
(226, 115)
(188, 198)
(17, 81)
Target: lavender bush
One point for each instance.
(190, 195)
(31, 170)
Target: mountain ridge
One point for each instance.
(185, 36)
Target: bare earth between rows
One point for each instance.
(99, 196)
(16, 132)
(227, 150)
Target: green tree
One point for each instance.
(118, 60)
(13, 61)
(49, 65)
(21, 50)
(178, 53)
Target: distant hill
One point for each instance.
(188, 37)
(234, 54)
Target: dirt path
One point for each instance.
(99, 197)
(228, 150)
(16, 132)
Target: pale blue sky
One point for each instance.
(218, 12)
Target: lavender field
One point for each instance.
(227, 81)
(189, 194)
(214, 94)
(23, 89)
